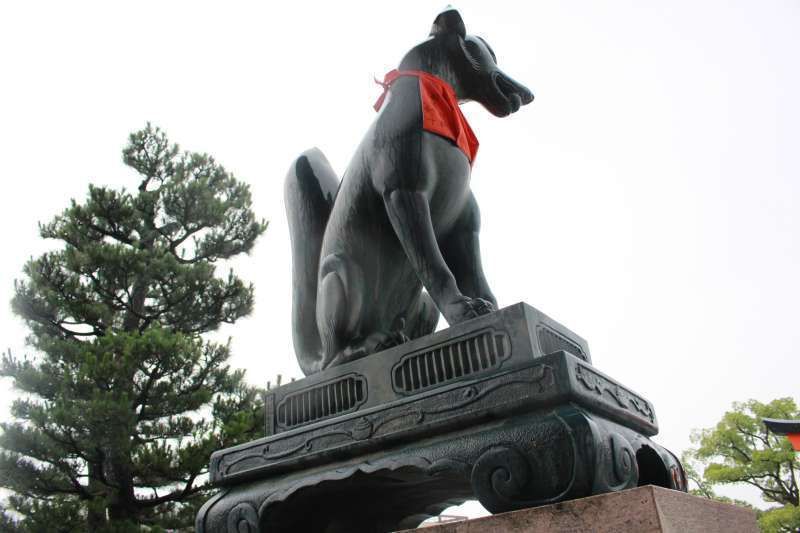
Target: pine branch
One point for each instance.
(177, 495)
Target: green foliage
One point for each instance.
(124, 399)
(55, 515)
(784, 519)
(739, 449)
(703, 487)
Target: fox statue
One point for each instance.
(378, 256)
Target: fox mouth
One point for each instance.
(513, 95)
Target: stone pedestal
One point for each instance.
(641, 510)
(505, 408)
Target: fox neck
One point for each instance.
(432, 59)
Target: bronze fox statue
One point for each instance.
(378, 256)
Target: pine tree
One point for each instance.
(124, 399)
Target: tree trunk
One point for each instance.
(96, 519)
(121, 512)
(119, 469)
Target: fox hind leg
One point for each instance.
(339, 306)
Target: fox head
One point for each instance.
(469, 64)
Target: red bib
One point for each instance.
(440, 112)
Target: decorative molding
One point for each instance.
(540, 379)
(243, 518)
(551, 341)
(468, 355)
(624, 398)
(505, 476)
(624, 470)
(328, 399)
(269, 413)
(531, 458)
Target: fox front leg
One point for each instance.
(462, 252)
(410, 216)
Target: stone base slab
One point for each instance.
(647, 509)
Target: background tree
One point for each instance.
(124, 399)
(702, 487)
(739, 449)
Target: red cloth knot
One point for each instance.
(441, 113)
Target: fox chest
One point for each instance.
(450, 173)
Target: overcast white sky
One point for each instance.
(647, 199)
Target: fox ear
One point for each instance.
(449, 21)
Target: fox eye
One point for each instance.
(473, 53)
(494, 57)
